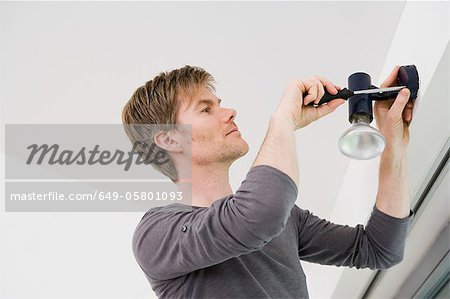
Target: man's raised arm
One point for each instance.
(278, 149)
(393, 119)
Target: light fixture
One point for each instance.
(361, 141)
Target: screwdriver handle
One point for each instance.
(342, 94)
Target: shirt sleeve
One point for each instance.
(171, 244)
(379, 245)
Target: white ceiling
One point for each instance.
(80, 62)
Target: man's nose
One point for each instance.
(230, 115)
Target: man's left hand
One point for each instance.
(393, 117)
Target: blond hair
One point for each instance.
(157, 102)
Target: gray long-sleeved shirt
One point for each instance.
(249, 245)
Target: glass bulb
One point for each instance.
(361, 142)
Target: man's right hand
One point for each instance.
(299, 93)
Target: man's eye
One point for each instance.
(206, 110)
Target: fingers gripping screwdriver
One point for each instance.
(346, 94)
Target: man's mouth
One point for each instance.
(234, 130)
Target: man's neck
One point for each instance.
(209, 183)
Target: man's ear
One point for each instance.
(170, 141)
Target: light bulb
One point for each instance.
(361, 141)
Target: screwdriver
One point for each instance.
(346, 94)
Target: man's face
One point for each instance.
(211, 126)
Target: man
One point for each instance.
(249, 244)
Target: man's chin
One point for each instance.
(237, 153)
(246, 149)
(243, 151)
